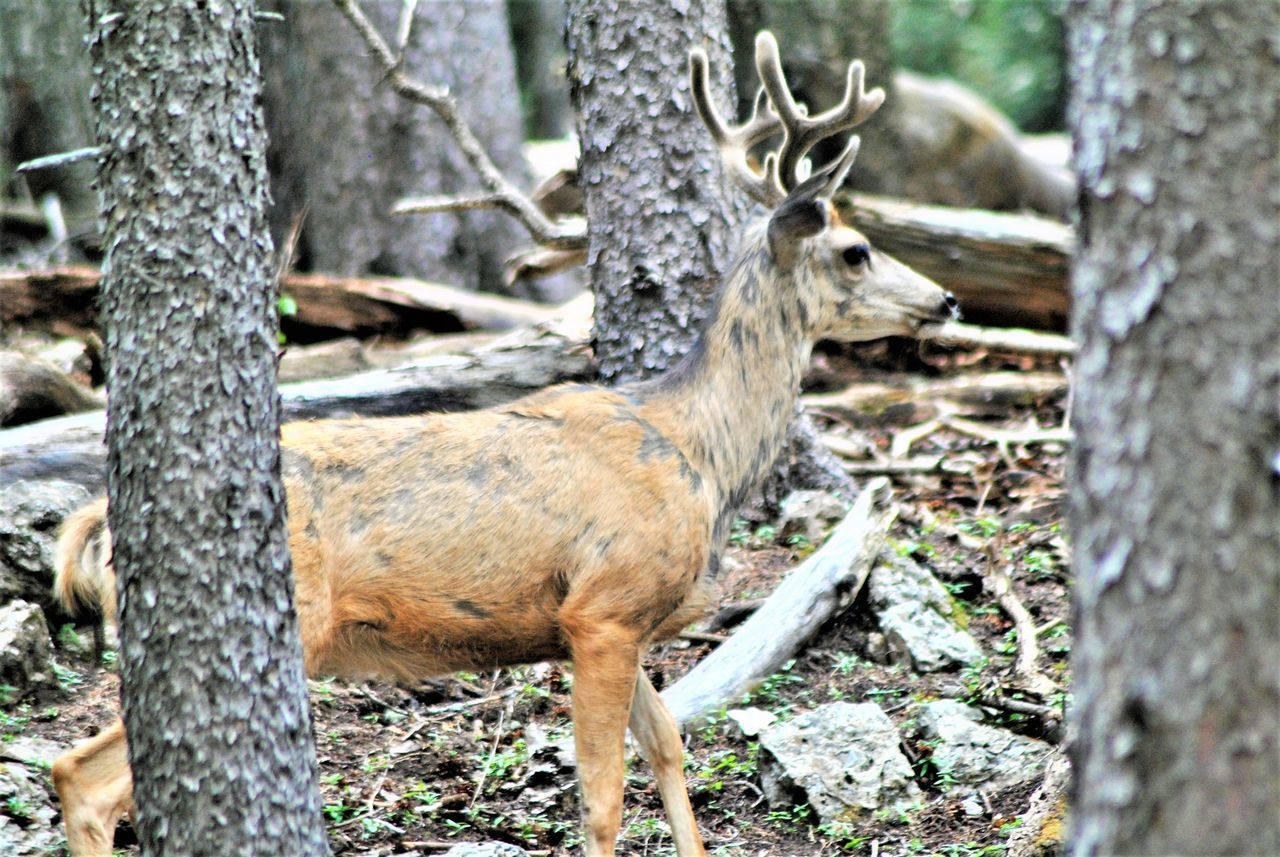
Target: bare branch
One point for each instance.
(61, 159)
(442, 103)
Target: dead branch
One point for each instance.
(810, 594)
(990, 390)
(64, 300)
(1000, 338)
(499, 193)
(72, 449)
(996, 581)
(33, 390)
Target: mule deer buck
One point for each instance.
(427, 545)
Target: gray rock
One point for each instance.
(30, 513)
(809, 513)
(917, 636)
(842, 758)
(916, 614)
(486, 849)
(26, 655)
(26, 814)
(968, 754)
(30, 750)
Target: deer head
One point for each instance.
(851, 290)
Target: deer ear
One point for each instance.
(801, 216)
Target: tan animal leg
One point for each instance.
(659, 740)
(604, 675)
(95, 787)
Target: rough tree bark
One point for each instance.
(344, 147)
(662, 222)
(213, 686)
(1176, 494)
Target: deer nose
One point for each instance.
(950, 306)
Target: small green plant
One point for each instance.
(500, 763)
(68, 638)
(376, 763)
(68, 679)
(647, 828)
(285, 306)
(337, 812)
(724, 764)
(791, 817)
(17, 807)
(845, 835)
(769, 693)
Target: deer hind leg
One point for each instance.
(659, 739)
(604, 656)
(95, 787)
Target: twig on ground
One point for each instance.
(703, 637)
(997, 582)
(908, 437)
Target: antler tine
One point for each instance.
(735, 142)
(802, 132)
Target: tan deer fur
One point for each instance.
(578, 523)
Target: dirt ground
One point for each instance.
(407, 770)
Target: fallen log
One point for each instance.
(993, 392)
(33, 390)
(64, 300)
(808, 596)
(1007, 270)
(72, 449)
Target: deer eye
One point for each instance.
(856, 254)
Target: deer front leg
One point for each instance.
(95, 787)
(659, 739)
(604, 675)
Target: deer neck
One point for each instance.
(728, 403)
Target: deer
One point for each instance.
(430, 544)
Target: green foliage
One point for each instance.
(285, 306)
(1012, 52)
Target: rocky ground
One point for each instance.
(904, 727)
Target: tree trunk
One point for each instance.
(1175, 503)
(344, 147)
(537, 29)
(212, 680)
(662, 223)
(44, 100)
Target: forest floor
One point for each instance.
(411, 770)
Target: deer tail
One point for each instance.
(83, 576)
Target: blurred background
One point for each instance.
(974, 118)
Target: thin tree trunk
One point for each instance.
(213, 686)
(44, 100)
(345, 147)
(1175, 507)
(661, 220)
